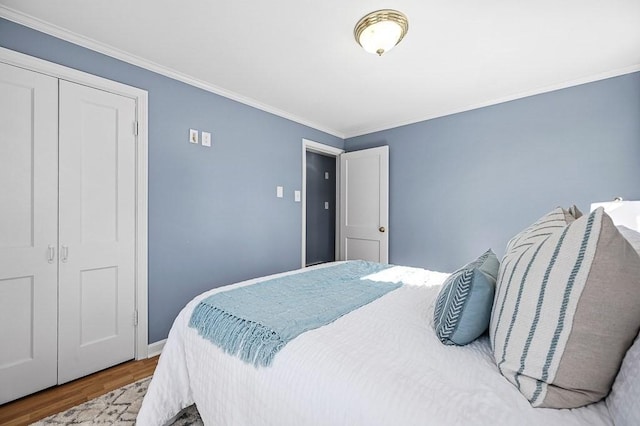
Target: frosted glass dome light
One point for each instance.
(379, 31)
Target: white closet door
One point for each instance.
(97, 230)
(28, 231)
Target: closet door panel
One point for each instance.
(97, 230)
(28, 231)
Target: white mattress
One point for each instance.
(379, 365)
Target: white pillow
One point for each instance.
(632, 236)
(623, 401)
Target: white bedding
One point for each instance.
(379, 365)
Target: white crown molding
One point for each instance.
(521, 95)
(80, 40)
(61, 33)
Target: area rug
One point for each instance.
(118, 407)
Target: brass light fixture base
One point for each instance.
(379, 16)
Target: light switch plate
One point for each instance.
(296, 196)
(193, 136)
(326, 205)
(206, 139)
(279, 191)
(326, 174)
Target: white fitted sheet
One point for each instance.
(378, 365)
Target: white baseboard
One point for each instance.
(156, 348)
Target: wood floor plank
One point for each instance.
(35, 407)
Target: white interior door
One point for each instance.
(97, 230)
(28, 231)
(364, 205)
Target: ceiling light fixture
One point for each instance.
(379, 31)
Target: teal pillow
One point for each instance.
(463, 307)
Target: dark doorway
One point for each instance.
(321, 209)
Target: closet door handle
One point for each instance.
(51, 253)
(64, 254)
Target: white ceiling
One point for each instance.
(298, 58)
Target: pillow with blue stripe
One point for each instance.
(463, 306)
(567, 308)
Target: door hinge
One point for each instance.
(135, 318)
(135, 128)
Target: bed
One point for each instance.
(379, 364)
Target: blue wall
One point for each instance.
(214, 218)
(465, 182)
(459, 184)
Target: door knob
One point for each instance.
(381, 229)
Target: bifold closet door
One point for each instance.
(97, 230)
(28, 231)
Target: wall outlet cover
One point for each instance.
(193, 136)
(206, 139)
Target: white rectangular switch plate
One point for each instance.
(326, 174)
(279, 191)
(206, 139)
(326, 205)
(193, 136)
(296, 196)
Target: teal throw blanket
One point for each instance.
(256, 321)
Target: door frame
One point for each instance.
(329, 151)
(141, 98)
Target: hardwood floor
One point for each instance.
(60, 398)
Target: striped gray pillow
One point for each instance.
(552, 221)
(567, 308)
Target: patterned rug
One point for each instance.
(118, 407)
